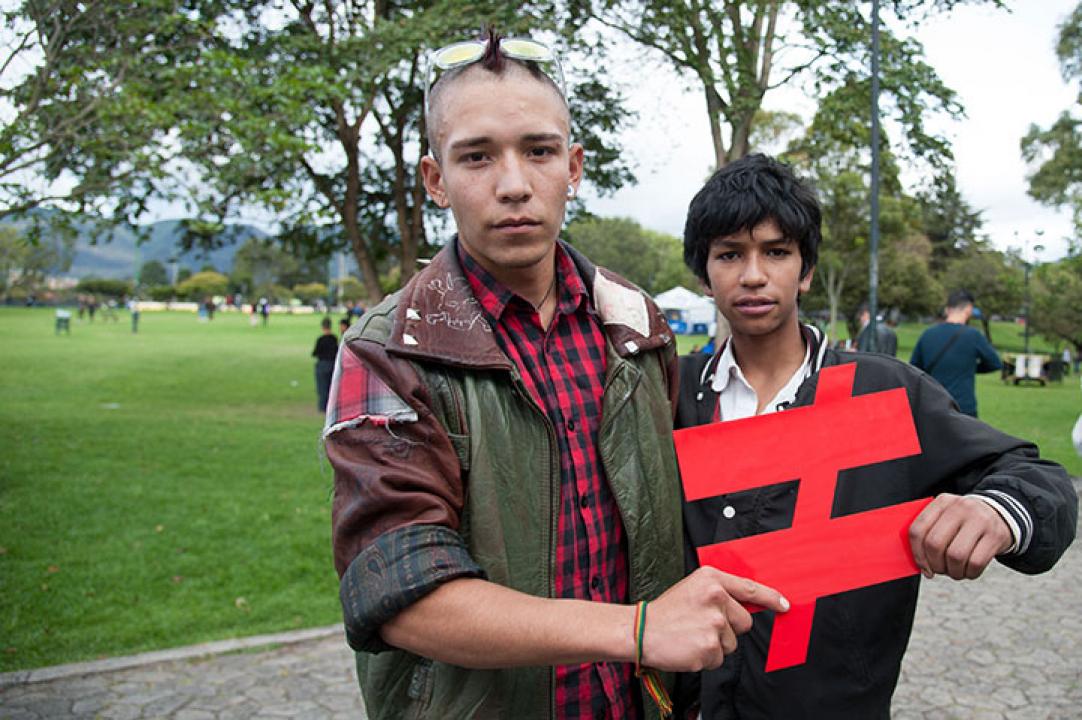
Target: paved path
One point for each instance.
(1005, 646)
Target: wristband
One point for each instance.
(651, 681)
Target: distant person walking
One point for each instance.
(325, 352)
(887, 340)
(952, 352)
(264, 310)
(133, 308)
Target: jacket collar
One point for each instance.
(438, 317)
(815, 342)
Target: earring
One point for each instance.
(570, 191)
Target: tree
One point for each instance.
(311, 111)
(651, 260)
(1055, 153)
(740, 50)
(87, 84)
(994, 278)
(26, 263)
(263, 262)
(310, 292)
(1056, 299)
(203, 284)
(951, 224)
(350, 290)
(105, 286)
(153, 273)
(831, 153)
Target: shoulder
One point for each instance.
(876, 371)
(376, 324)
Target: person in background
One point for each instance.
(133, 308)
(325, 351)
(953, 353)
(887, 341)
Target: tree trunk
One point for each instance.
(713, 110)
(834, 284)
(369, 273)
(740, 145)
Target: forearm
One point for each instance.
(478, 624)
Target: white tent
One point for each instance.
(686, 309)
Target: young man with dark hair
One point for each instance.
(506, 493)
(953, 353)
(752, 237)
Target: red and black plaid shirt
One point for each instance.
(563, 368)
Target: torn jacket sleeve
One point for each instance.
(398, 492)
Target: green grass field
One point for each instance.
(158, 489)
(168, 488)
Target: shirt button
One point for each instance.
(729, 512)
(595, 582)
(571, 425)
(584, 501)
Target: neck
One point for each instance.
(958, 317)
(768, 361)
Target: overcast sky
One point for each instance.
(1003, 67)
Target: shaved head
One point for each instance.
(505, 70)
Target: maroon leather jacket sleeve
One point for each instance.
(398, 498)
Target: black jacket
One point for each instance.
(859, 637)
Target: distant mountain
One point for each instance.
(118, 256)
(117, 253)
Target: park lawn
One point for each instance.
(158, 489)
(1043, 415)
(168, 488)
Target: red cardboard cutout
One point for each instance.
(819, 555)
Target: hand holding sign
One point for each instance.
(693, 625)
(818, 555)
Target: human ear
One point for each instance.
(806, 281)
(432, 174)
(575, 155)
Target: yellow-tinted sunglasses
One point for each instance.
(470, 51)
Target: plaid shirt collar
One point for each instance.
(496, 298)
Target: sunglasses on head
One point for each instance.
(464, 53)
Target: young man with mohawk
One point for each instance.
(506, 496)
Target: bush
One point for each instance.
(352, 289)
(105, 286)
(161, 293)
(310, 292)
(202, 284)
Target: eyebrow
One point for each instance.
(781, 240)
(481, 141)
(543, 137)
(471, 142)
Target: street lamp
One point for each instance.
(873, 254)
(1027, 265)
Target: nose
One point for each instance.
(753, 273)
(513, 184)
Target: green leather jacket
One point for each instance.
(461, 478)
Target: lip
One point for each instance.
(754, 305)
(517, 223)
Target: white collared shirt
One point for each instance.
(737, 398)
